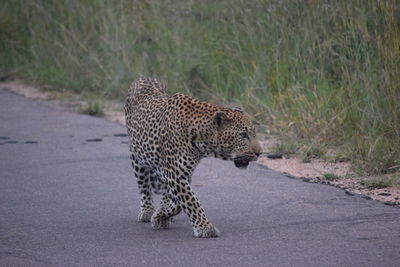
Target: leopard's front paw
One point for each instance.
(208, 231)
(160, 222)
(145, 215)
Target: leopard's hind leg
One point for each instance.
(143, 176)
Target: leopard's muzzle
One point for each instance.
(241, 162)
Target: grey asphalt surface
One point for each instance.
(68, 198)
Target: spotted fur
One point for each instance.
(169, 135)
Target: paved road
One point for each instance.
(68, 198)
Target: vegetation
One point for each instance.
(322, 73)
(381, 181)
(94, 107)
(286, 146)
(330, 176)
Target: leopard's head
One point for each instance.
(235, 137)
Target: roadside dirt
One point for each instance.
(25, 90)
(314, 171)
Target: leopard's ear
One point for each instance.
(220, 119)
(238, 109)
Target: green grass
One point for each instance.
(310, 151)
(286, 146)
(93, 107)
(381, 181)
(330, 176)
(377, 183)
(324, 73)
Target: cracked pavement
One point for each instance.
(68, 198)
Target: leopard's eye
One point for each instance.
(244, 135)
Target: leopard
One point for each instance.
(168, 136)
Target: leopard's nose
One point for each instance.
(258, 153)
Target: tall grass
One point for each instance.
(326, 73)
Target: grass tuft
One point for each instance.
(377, 183)
(286, 147)
(308, 152)
(382, 181)
(330, 176)
(94, 107)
